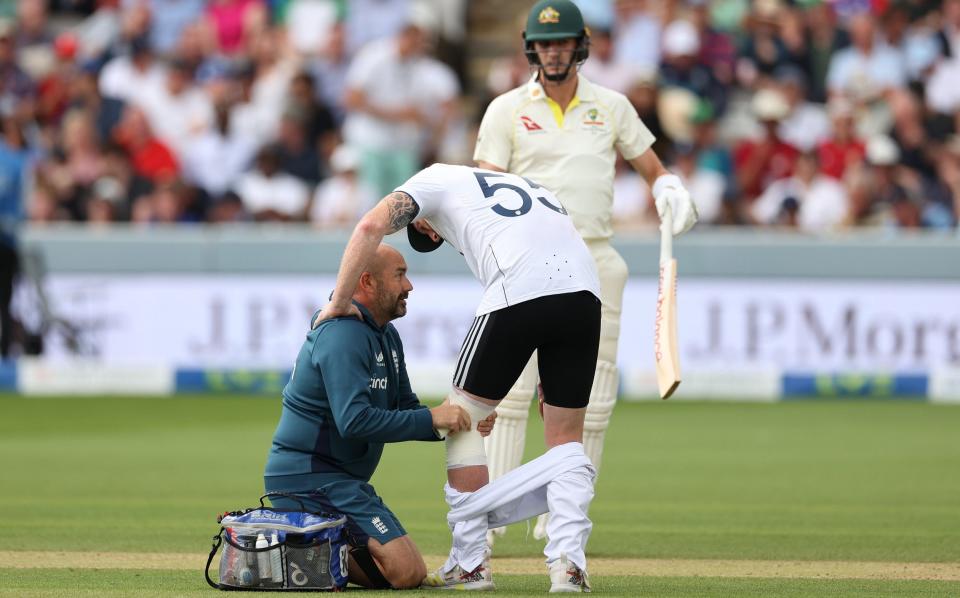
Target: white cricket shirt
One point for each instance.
(572, 153)
(516, 237)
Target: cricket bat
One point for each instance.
(665, 328)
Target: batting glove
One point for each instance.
(668, 190)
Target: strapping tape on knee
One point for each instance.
(465, 449)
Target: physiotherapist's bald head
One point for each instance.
(384, 286)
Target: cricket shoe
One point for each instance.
(480, 579)
(567, 577)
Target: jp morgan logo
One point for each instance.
(378, 383)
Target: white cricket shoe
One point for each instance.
(480, 579)
(567, 577)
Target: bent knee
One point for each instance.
(406, 577)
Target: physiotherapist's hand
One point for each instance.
(486, 425)
(449, 419)
(669, 191)
(332, 311)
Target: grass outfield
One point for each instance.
(830, 481)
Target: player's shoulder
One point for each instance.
(605, 95)
(336, 334)
(510, 100)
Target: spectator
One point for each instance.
(106, 201)
(167, 204)
(910, 134)
(711, 154)
(150, 157)
(867, 69)
(34, 39)
(79, 162)
(233, 22)
(168, 19)
(96, 33)
(370, 21)
(949, 33)
(216, 158)
(878, 197)
(717, 50)
(707, 187)
(343, 198)
(269, 194)
(83, 94)
(247, 118)
(44, 207)
(948, 168)
(765, 49)
(319, 126)
(942, 91)
(227, 208)
(637, 35)
(17, 90)
(126, 78)
(329, 70)
(601, 67)
(14, 164)
(53, 90)
(808, 200)
(843, 151)
(644, 96)
(680, 68)
(274, 66)
(807, 124)
(919, 48)
(296, 152)
(118, 166)
(399, 102)
(177, 110)
(759, 163)
(308, 23)
(824, 39)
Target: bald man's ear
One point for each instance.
(367, 282)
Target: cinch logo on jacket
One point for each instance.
(378, 383)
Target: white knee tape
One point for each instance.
(466, 448)
(603, 398)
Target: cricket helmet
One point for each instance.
(552, 20)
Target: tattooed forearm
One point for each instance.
(402, 210)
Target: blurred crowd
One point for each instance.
(810, 114)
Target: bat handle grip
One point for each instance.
(666, 235)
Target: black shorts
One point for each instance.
(563, 329)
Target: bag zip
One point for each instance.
(285, 527)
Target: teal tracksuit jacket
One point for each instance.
(348, 395)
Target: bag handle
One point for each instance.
(217, 540)
(285, 495)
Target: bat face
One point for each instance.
(665, 331)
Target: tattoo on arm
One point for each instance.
(402, 210)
